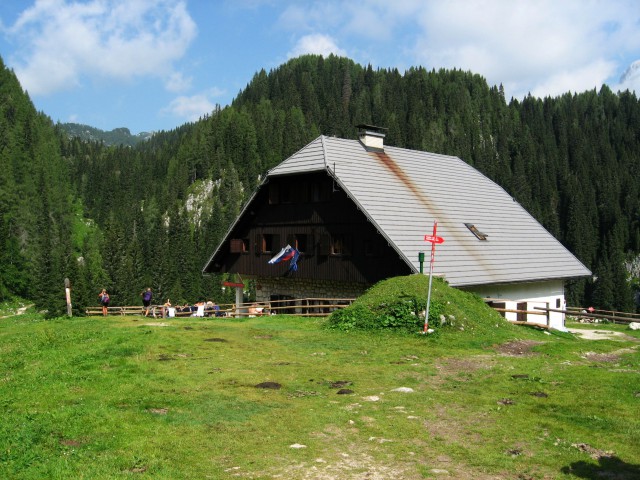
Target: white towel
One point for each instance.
(200, 312)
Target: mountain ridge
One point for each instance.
(115, 137)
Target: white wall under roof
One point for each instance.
(537, 294)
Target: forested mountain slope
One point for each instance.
(152, 214)
(37, 208)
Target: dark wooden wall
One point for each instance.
(336, 240)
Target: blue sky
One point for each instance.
(153, 65)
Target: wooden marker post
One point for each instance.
(67, 291)
(433, 239)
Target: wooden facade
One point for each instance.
(311, 213)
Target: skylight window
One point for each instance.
(479, 235)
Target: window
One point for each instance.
(321, 192)
(301, 242)
(267, 243)
(336, 244)
(287, 192)
(476, 232)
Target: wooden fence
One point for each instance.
(301, 307)
(537, 311)
(613, 316)
(578, 312)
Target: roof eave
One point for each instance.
(512, 282)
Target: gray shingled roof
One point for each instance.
(403, 191)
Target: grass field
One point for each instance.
(285, 397)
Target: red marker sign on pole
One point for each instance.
(433, 239)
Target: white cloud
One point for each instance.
(176, 82)
(576, 80)
(317, 44)
(544, 47)
(191, 108)
(115, 39)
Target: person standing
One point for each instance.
(147, 295)
(104, 301)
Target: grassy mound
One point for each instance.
(399, 303)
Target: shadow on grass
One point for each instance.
(609, 467)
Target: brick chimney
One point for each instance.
(371, 137)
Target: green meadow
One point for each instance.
(286, 397)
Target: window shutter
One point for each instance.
(325, 244)
(347, 246)
(258, 244)
(274, 193)
(311, 246)
(236, 245)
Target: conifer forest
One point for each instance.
(150, 215)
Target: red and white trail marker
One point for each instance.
(433, 239)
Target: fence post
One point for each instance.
(548, 316)
(67, 292)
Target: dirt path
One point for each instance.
(19, 311)
(600, 334)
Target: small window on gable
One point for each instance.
(286, 194)
(476, 232)
(321, 191)
(269, 243)
(266, 243)
(300, 242)
(340, 244)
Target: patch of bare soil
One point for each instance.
(611, 357)
(594, 453)
(71, 442)
(601, 357)
(518, 348)
(348, 466)
(365, 458)
(594, 334)
(269, 385)
(158, 411)
(358, 465)
(452, 365)
(340, 383)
